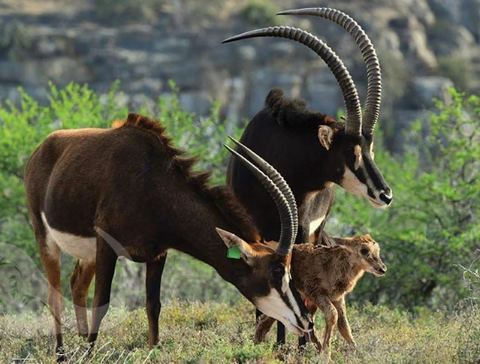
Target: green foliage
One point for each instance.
(426, 235)
(432, 225)
(23, 128)
(260, 13)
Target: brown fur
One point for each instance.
(132, 184)
(295, 114)
(325, 275)
(222, 196)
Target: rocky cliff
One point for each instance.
(425, 46)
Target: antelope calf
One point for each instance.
(325, 274)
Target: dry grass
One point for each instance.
(218, 333)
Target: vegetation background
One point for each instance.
(424, 310)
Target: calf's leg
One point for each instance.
(331, 318)
(264, 324)
(343, 325)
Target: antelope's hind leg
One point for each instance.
(51, 258)
(153, 284)
(105, 261)
(79, 283)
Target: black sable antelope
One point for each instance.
(96, 194)
(311, 150)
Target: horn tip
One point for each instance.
(295, 11)
(233, 140)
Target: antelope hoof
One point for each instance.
(61, 356)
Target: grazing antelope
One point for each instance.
(325, 275)
(97, 194)
(310, 149)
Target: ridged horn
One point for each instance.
(286, 240)
(349, 92)
(374, 75)
(276, 178)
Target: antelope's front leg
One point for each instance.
(331, 317)
(153, 283)
(343, 325)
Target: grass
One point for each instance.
(219, 333)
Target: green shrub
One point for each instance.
(260, 13)
(23, 128)
(432, 225)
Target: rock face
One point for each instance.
(414, 39)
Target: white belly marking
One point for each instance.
(80, 247)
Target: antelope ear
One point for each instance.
(231, 241)
(339, 243)
(325, 135)
(358, 156)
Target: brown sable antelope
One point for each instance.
(96, 194)
(311, 150)
(325, 275)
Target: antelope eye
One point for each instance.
(278, 272)
(364, 251)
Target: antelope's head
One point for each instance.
(366, 252)
(353, 167)
(349, 148)
(267, 282)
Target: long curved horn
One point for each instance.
(287, 239)
(276, 178)
(350, 95)
(374, 74)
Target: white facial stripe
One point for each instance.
(286, 290)
(273, 306)
(79, 247)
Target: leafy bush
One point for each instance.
(432, 225)
(426, 235)
(23, 128)
(260, 13)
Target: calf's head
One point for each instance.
(365, 252)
